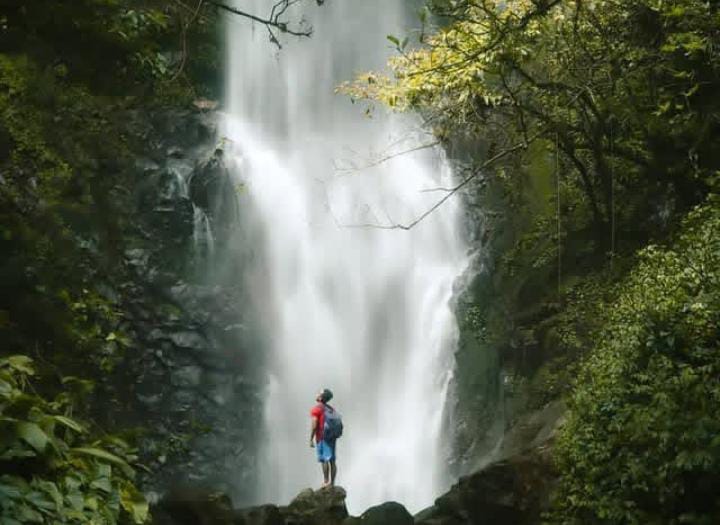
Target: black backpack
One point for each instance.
(333, 425)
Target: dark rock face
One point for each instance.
(390, 513)
(262, 515)
(185, 377)
(514, 491)
(193, 507)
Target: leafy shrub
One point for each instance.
(642, 441)
(51, 471)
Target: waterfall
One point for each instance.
(203, 240)
(340, 302)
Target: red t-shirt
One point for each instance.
(318, 411)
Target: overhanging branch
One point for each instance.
(450, 191)
(274, 21)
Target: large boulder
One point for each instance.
(390, 513)
(325, 506)
(514, 491)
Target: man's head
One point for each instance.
(324, 396)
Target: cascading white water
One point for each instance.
(361, 310)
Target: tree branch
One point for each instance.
(387, 157)
(450, 191)
(272, 22)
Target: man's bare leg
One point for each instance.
(333, 472)
(326, 473)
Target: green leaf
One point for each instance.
(51, 489)
(394, 40)
(19, 363)
(134, 504)
(32, 434)
(70, 423)
(102, 484)
(91, 503)
(29, 515)
(75, 500)
(5, 387)
(104, 455)
(10, 490)
(40, 500)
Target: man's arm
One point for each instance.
(313, 429)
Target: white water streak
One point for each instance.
(363, 311)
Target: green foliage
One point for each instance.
(71, 72)
(76, 81)
(641, 441)
(79, 82)
(52, 471)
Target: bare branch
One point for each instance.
(385, 158)
(450, 191)
(272, 22)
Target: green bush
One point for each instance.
(52, 472)
(642, 440)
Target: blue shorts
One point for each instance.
(325, 451)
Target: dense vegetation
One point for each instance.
(69, 75)
(52, 471)
(642, 441)
(597, 125)
(72, 77)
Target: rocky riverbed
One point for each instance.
(515, 489)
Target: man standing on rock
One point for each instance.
(326, 428)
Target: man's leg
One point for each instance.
(326, 473)
(333, 472)
(321, 449)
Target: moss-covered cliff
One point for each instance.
(105, 117)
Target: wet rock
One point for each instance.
(533, 429)
(189, 340)
(433, 516)
(194, 507)
(137, 257)
(262, 515)
(175, 152)
(202, 427)
(182, 400)
(144, 165)
(317, 507)
(151, 400)
(514, 491)
(187, 376)
(390, 513)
